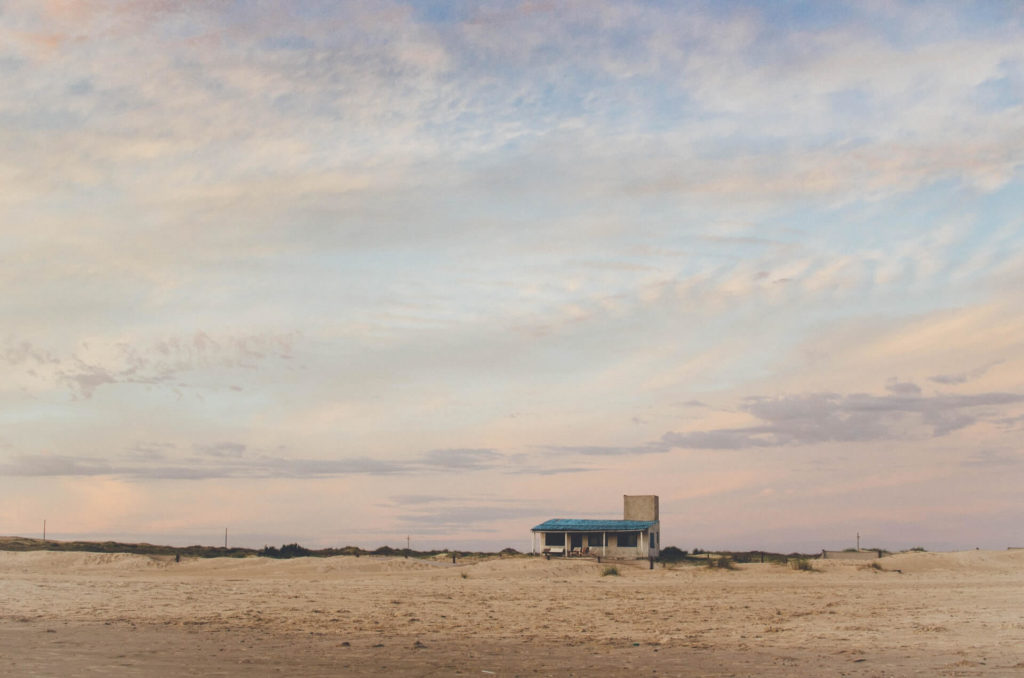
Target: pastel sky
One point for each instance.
(346, 272)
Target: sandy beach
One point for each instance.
(82, 614)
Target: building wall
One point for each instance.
(640, 507)
(613, 549)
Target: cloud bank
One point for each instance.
(331, 252)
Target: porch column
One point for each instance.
(604, 543)
(565, 552)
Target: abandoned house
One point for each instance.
(637, 535)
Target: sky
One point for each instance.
(354, 272)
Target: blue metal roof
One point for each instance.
(582, 525)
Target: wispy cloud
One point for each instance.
(475, 517)
(1011, 422)
(228, 459)
(57, 465)
(817, 418)
(607, 450)
(958, 378)
(829, 417)
(433, 514)
(164, 362)
(992, 459)
(197, 468)
(223, 450)
(903, 388)
(418, 499)
(462, 459)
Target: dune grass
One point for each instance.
(722, 563)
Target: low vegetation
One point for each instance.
(293, 550)
(670, 555)
(802, 564)
(610, 571)
(196, 551)
(884, 552)
(722, 563)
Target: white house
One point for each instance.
(637, 535)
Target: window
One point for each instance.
(595, 540)
(554, 539)
(626, 539)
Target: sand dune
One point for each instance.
(72, 613)
(1008, 562)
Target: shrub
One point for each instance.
(722, 563)
(671, 554)
(610, 571)
(801, 564)
(918, 548)
(286, 551)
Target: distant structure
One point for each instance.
(851, 555)
(637, 535)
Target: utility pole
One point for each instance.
(858, 541)
(406, 542)
(225, 537)
(44, 529)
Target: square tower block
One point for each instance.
(640, 507)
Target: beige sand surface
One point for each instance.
(79, 614)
